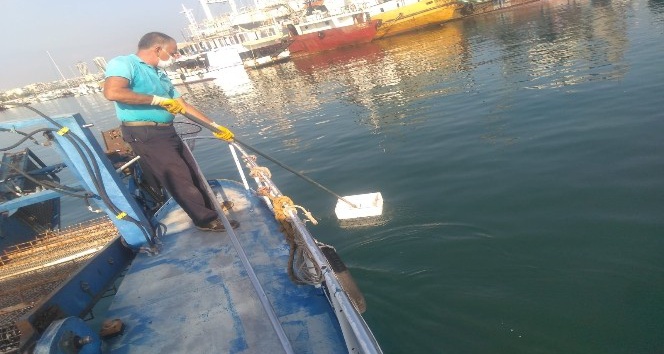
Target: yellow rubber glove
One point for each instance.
(223, 133)
(171, 105)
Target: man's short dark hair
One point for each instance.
(154, 38)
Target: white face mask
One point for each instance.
(166, 63)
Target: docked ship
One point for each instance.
(400, 16)
(266, 51)
(254, 37)
(270, 33)
(329, 25)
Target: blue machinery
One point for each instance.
(80, 151)
(295, 313)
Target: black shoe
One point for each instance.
(217, 226)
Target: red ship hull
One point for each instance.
(333, 38)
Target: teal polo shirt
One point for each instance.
(146, 79)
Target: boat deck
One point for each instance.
(196, 296)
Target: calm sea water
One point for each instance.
(521, 161)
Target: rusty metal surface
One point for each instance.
(31, 270)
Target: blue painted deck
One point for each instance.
(195, 295)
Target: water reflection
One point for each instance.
(656, 6)
(234, 81)
(418, 67)
(383, 84)
(580, 46)
(344, 58)
(551, 44)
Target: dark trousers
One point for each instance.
(163, 155)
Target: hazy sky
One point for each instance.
(74, 31)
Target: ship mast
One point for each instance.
(56, 67)
(208, 13)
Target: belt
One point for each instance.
(146, 124)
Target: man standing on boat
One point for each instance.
(146, 103)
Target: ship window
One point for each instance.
(327, 22)
(383, 10)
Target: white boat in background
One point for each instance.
(184, 79)
(202, 67)
(266, 51)
(257, 36)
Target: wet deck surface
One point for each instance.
(195, 295)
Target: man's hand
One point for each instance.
(222, 132)
(171, 105)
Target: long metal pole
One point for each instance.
(57, 68)
(253, 278)
(294, 172)
(357, 325)
(236, 140)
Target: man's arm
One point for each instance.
(116, 88)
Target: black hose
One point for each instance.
(94, 172)
(19, 132)
(26, 137)
(48, 184)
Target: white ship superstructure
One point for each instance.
(256, 35)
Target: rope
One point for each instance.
(301, 270)
(258, 170)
